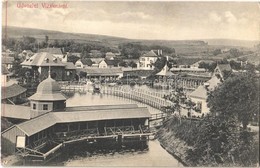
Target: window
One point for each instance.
(34, 106)
(45, 107)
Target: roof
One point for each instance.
(109, 114)
(224, 67)
(69, 65)
(87, 61)
(213, 82)
(4, 70)
(101, 71)
(15, 111)
(48, 90)
(55, 51)
(12, 91)
(47, 120)
(42, 59)
(150, 54)
(200, 93)
(96, 60)
(165, 71)
(38, 124)
(7, 60)
(100, 107)
(112, 62)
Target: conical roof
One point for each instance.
(48, 90)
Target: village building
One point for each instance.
(222, 71)
(147, 60)
(5, 75)
(8, 61)
(108, 63)
(79, 64)
(70, 71)
(165, 73)
(199, 96)
(102, 73)
(56, 52)
(40, 63)
(82, 63)
(11, 93)
(96, 61)
(53, 125)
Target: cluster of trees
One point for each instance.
(218, 139)
(234, 52)
(135, 50)
(31, 43)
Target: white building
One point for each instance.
(200, 95)
(147, 60)
(79, 64)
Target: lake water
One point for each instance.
(155, 156)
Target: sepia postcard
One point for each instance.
(130, 83)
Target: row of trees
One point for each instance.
(135, 50)
(218, 139)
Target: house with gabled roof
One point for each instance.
(199, 96)
(222, 71)
(8, 61)
(165, 72)
(147, 60)
(40, 63)
(108, 63)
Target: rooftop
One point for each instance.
(150, 54)
(101, 71)
(15, 111)
(69, 65)
(12, 91)
(42, 59)
(200, 92)
(48, 90)
(47, 120)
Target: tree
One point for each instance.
(132, 64)
(235, 52)
(217, 51)
(73, 59)
(236, 97)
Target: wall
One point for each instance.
(39, 108)
(8, 140)
(59, 71)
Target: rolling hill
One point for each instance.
(183, 47)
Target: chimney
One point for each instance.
(158, 52)
(161, 52)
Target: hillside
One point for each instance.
(182, 47)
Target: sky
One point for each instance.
(143, 20)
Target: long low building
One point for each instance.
(102, 73)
